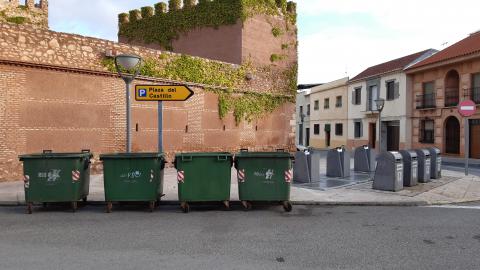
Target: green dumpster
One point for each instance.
(56, 177)
(265, 177)
(203, 177)
(133, 177)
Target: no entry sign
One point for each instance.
(467, 108)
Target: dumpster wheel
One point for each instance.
(109, 207)
(226, 204)
(247, 206)
(287, 206)
(151, 206)
(74, 207)
(29, 208)
(185, 207)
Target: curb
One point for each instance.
(299, 203)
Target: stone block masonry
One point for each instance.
(56, 94)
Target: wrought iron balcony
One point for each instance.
(426, 101)
(452, 97)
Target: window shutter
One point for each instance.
(397, 90)
(353, 97)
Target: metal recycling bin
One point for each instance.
(410, 168)
(56, 177)
(424, 163)
(338, 162)
(301, 167)
(203, 177)
(389, 172)
(133, 177)
(364, 159)
(436, 163)
(265, 177)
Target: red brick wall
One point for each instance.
(64, 111)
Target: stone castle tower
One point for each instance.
(234, 31)
(32, 12)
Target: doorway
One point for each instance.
(372, 134)
(474, 143)
(452, 135)
(307, 137)
(300, 134)
(393, 135)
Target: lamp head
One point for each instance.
(128, 66)
(380, 104)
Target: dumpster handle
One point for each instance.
(244, 150)
(186, 158)
(47, 151)
(222, 158)
(85, 150)
(280, 150)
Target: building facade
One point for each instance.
(329, 114)
(386, 81)
(303, 110)
(439, 83)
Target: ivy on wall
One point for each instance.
(244, 105)
(164, 26)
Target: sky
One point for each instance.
(337, 38)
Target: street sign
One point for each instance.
(162, 93)
(467, 108)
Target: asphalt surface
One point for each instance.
(265, 238)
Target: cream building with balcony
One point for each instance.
(386, 81)
(329, 114)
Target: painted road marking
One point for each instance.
(455, 207)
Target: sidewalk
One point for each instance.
(452, 188)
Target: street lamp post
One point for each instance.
(380, 105)
(128, 67)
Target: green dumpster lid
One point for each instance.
(130, 155)
(205, 154)
(245, 154)
(55, 155)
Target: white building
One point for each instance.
(386, 81)
(302, 130)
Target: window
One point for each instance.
(476, 88)
(308, 109)
(391, 90)
(357, 96)
(372, 96)
(338, 102)
(428, 95)
(316, 129)
(326, 103)
(427, 131)
(358, 129)
(316, 105)
(339, 129)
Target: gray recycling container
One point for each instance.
(410, 168)
(316, 156)
(301, 167)
(436, 163)
(364, 159)
(389, 172)
(424, 162)
(338, 162)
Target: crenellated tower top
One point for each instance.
(34, 12)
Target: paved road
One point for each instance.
(267, 238)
